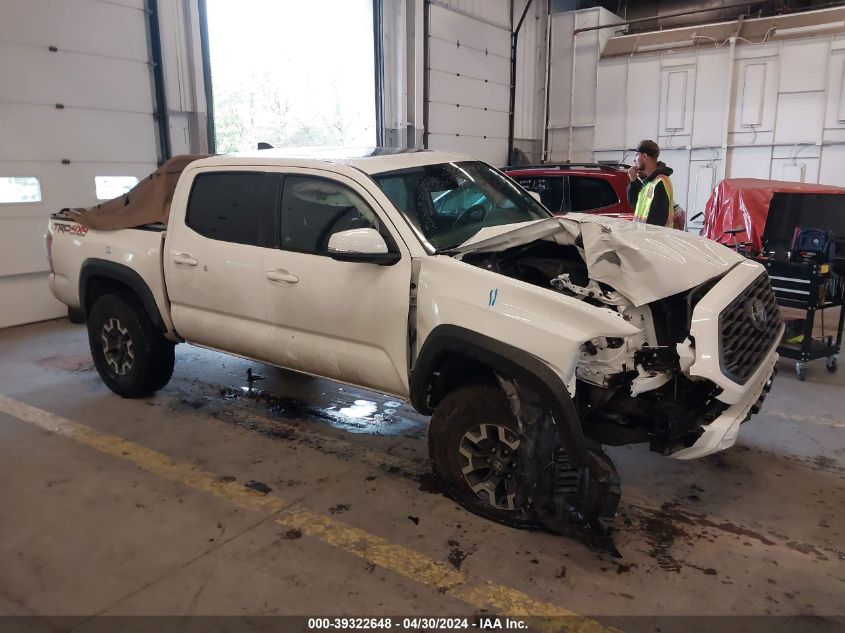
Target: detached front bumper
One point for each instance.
(742, 399)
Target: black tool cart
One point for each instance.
(814, 288)
(799, 252)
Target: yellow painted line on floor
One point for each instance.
(477, 592)
(141, 456)
(792, 417)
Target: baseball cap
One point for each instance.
(649, 147)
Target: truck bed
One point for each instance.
(75, 251)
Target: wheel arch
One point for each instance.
(451, 346)
(99, 276)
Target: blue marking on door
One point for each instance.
(494, 293)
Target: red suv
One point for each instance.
(584, 187)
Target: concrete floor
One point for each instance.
(755, 530)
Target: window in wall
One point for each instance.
(109, 187)
(292, 73)
(233, 207)
(314, 209)
(587, 194)
(19, 189)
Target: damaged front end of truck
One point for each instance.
(681, 352)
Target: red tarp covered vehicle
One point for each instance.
(744, 203)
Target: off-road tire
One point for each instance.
(152, 355)
(458, 412)
(75, 316)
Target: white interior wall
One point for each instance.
(469, 75)
(782, 117)
(572, 103)
(531, 54)
(184, 86)
(396, 35)
(495, 12)
(403, 43)
(468, 84)
(66, 115)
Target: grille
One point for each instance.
(744, 342)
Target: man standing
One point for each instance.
(650, 190)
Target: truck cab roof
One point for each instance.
(370, 160)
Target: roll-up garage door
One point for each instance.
(468, 75)
(75, 105)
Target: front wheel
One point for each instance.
(473, 440)
(132, 358)
(75, 316)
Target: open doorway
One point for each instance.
(292, 73)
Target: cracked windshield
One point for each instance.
(449, 203)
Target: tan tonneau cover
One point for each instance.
(148, 202)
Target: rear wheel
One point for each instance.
(132, 358)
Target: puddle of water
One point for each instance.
(360, 409)
(359, 416)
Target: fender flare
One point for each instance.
(509, 361)
(93, 267)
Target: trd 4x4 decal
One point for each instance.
(73, 229)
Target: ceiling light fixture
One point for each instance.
(665, 45)
(809, 28)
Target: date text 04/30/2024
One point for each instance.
(491, 623)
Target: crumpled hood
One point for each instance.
(641, 261)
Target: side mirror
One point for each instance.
(361, 245)
(536, 196)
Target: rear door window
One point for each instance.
(550, 188)
(588, 194)
(234, 207)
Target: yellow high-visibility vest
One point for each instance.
(646, 195)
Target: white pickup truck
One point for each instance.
(531, 339)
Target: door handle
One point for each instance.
(185, 259)
(281, 275)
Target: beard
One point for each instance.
(640, 164)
